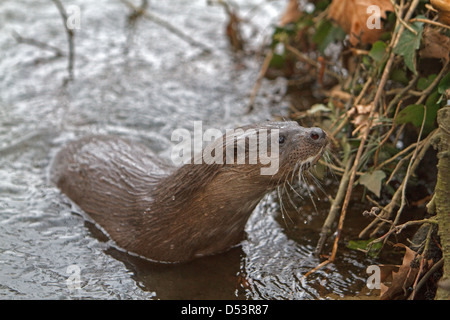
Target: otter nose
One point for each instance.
(317, 134)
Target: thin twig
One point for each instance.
(261, 74)
(403, 22)
(304, 58)
(70, 35)
(39, 44)
(427, 275)
(435, 23)
(399, 228)
(183, 36)
(408, 170)
(334, 209)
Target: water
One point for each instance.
(140, 82)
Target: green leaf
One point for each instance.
(423, 83)
(433, 105)
(277, 61)
(414, 113)
(399, 75)
(444, 84)
(372, 250)
(372, 181)
(327, 33)
(408, 44)
(378, 51)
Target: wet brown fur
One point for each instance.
(165, 213)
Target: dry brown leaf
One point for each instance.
(233, 31)
(435, 44)
(363, 109)
(443, 7)
(352, 16)
(403, 278)
(360, 117)
(337, 93)
(292, 13)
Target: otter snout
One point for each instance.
(317, 134)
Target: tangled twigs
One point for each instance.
(399, 228)
(58, 53)
(416, 157)
(374, 109)
(304, 58)
(334, 209)
(388, 210)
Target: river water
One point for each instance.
(139, 81)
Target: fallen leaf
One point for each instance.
(233, 28)
(372, 181)
(435, 45)
(336, 92)
(363, 109)
(403, 278)
(354, 17)
(443, 7)
(360, 117)
(292, 13)
(233, 31)
(372, 250)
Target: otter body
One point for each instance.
(171, 214)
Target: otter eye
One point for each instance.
(281, 139)
(314, 136)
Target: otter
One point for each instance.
(174, 214)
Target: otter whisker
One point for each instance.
(310, 195)
(290, 199)
(317, 182)
(293, 189)
(329, 160)
(295, 169)
(282, 208)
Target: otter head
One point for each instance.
(299, 147)
(275, 151)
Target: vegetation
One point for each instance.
(380, 77)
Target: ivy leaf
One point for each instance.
(363, 245)
(414, 113)
(399, 75)
(327, 33)
(372, 181)
(444, 84)
(423, 83)
(408, 44)
(378, 51)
